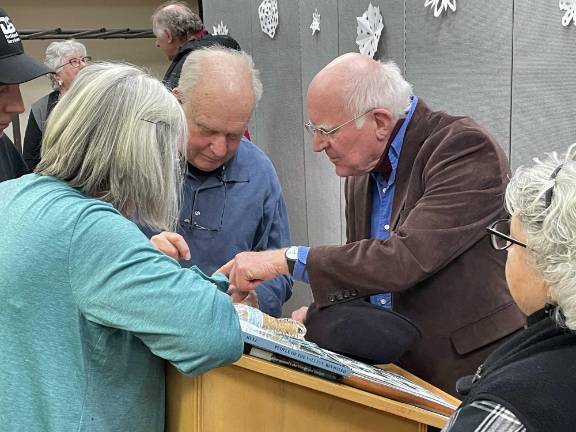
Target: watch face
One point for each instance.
(292, 253)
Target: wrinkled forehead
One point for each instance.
(326, 106)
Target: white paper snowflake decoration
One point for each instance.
(315, 26)
(441, 6)
(369, 30)
(268, 13)
(220, 29)
(570, 15)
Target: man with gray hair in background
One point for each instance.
(179, 31)
(232, 199)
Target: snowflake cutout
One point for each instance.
(441, 6)
(268, 14)
(369, 30)
(315, 26)
(570, 15)
(220, 29)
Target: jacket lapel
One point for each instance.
(416, 134)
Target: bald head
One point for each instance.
(357, 83)
(220, 73)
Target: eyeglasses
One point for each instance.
(323, 132)
(500, 235)
(76, 62)
(207, 221)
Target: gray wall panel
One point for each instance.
(238, 19)
(461, 62)
(279, 116)
(322, 184)
(544, 79)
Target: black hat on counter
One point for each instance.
(361, 330)
(15, 66)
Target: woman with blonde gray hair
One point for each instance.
(529, 383)
(90, 309)
(66, 59)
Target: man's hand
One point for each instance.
(300, 314)
(172, 244)
(248, 269)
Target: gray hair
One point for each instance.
(385, 89)
(56, 53)
(116, 135)
(192, 69)
(177, 18)
(550, 230)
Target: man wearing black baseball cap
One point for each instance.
(15, 68)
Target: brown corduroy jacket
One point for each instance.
(438, 262)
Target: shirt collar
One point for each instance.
(384, 166)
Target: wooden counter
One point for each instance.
(254, 395)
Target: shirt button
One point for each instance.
(383, 301)
(197, 213)
(386, 227)
(384, 190)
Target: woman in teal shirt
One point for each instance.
(90, 310)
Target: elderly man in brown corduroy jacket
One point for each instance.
(421, 187)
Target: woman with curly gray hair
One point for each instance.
(90, 309)
(65, 59)
(529, 383)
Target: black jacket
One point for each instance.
(533, 375)
(11, 164)
(172, 75)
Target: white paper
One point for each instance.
(441, 6)
(220, 29)
(268, 14)
(369, 30)
(570, 15)
(315, 26)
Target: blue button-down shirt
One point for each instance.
(239, 209)
(382, 199)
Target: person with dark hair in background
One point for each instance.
(15, 68)
(66, 59)
(179, 31)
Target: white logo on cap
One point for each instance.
(9, 30)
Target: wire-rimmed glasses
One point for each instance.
(312, 129)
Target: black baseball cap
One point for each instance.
(15, 66)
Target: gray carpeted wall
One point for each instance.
(509, 64)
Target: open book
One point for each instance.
(310, 358)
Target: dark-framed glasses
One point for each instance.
(203, 219)
(76, 62)
(500, 238)
(550, 191)
(311, 129)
